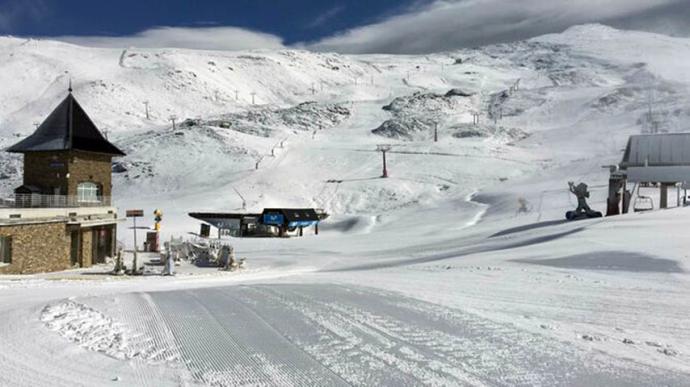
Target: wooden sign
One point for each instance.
(134, 213)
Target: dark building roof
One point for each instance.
(653, 150)
(222, 215)
(68, 127)
(27, 189)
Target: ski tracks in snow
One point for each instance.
(225, 343)
(372, 337)
(325, 335)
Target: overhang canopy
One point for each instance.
(27, 189)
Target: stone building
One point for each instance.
(62, 215)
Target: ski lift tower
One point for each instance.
(244, 201)
(383, 148)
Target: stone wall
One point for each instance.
(90, 167)
(103, 243)
(37, 248)
(113, 241)
(49, 170)
(86, 247)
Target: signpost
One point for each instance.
(134, 214)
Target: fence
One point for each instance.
(53, 201)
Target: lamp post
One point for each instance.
(134, 214)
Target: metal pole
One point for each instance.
(663, 199)
(385, 171)
(626, 196)
(134, 266)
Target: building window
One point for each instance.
(5, 249)
(88, 193)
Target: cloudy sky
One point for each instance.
(347, 26)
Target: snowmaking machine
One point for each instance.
(583, 211)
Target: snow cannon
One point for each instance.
(157, 218)
(583, 211)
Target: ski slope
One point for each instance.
(433, 276)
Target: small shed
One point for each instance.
(269, 223)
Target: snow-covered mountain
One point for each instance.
(559, 105)
(458, 269)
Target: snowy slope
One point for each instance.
(587, 80)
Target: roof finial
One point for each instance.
(70, 85)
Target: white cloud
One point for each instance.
(450, 24)
(425, 27)
(326, 16)
(202, 38)
(673, 19)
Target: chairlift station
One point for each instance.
(271, 222)
(650, 160)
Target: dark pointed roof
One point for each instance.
(68, 127)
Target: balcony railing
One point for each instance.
(53, 201)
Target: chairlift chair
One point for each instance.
(642, 203)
